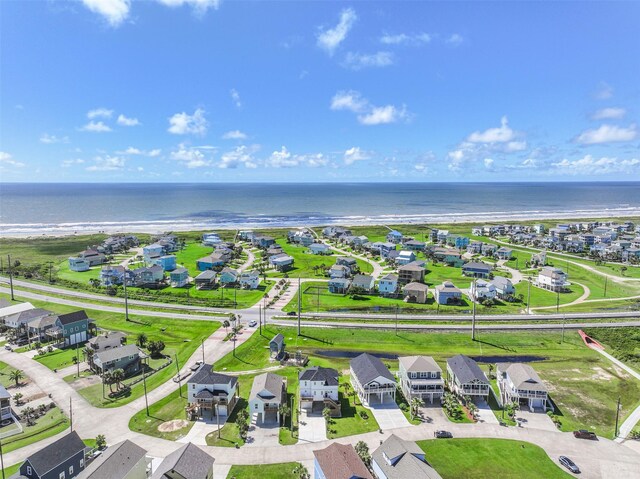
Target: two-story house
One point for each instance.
(268, 393)
(520, 383)
(388, 285)
(421, 377)
(211, 393)
(552, 279)
(5, 404)
(319, 389)
(128, 358)
(465, 378)
(62, 459)
(411, 272)
(371, 380)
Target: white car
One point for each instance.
(253, 324)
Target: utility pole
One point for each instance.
(1, 460)
(529, 296)
(218, 419)
(70, 416)
(557, 301)
(144, 382)
(299, 303)
(50, 268)
(202, 344)
(606, 279)
(291, 418)
(615, 434)
(11, 276)
(179, 380)
(473, 320)
(564, 318)
(396, 319)
(126, 299)
(233, 338)
(260, 318)
(77, 359)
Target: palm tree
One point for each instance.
(28, 414)
(363, 452)
(284, 411)
(300, 471)
(141, 340)
(490, 370)
(18, 398)
(107, 378)
(118, 377)
(225, 325)
(16, 375)
(416, 404)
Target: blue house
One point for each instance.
(179, 277)
(210, 262)
(78, 264)
(394, 236)
(211, 239)
(319, 248)
(63, 458)
(228, 276)
(385, 248)
(476, 270)
(152, 251)
(167, 263)
(72, 327)
(447, 293)
(112, 275)
(388, 285)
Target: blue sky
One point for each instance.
(206, 90)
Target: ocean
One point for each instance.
(36, 209)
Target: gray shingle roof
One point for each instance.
(74, 317)
(117, 353)
(367, 368)
(206, 375)
(272, 383)
(523, 376)
(400, 459)
(419, 363)
(316, 373)
(56, 453)
(466, 369)
(115, 463)
(190, 462)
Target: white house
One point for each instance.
(553, 279)
(319, 248)
(319, 388)
(211, 393)
(339, 271)
(249, 279)
(14, 309)
(421, 377)
(504, 287)
(520, 383)
(388, 285)
(465, 378)
(481, 290)
(372, 380)
(268, 393)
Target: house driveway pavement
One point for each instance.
(311, 428)
(485, 414)
(538, 420)
(263, 434)
(389, 416)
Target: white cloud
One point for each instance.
(405, 39)
(113, 11)
(349, 100)
(200, 7)
(358, 61)
(235, 97)
(488, 163)
(99, 113)
(7, 159)
(355, 154)
(368, 114)
(240, 156)
(381, 115)
(502, 134)
(124, 121)
(234, 135)
(96, 127)
(154, 153)
(69, 163)
(589, 165)
(51, 139)
(604, 92)
(330, 39)
(138, 152)
(608, 134)
(512, 146)
(284, 159)
(190, 157)
(183, 123)
(455, 39)
(609, 114)
(107, 163)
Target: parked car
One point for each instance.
(584, 434)
(253, 324)
(7, 347)
(569, 464)
(442, 434)
(292, 313)
(195, 365)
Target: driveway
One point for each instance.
(311, 428)
(263, 434)
(485, 414)
(389, 416)
(537, 420)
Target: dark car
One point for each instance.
(584, 434)
(569, 464)
(442, 434)
(195, 366)
(292, 313)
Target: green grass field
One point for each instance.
(167, 409)
(53, 422)
(265, 471)
(482, 458)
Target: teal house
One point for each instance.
(72, 328)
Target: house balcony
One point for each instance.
(379, 389)
(530, 394)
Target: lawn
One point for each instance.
(229, 433)
(60, 358)
(53, 422)
(583, 384)
(351, 422)
(167, 409)
(482, 458)
(181, 338)
(265, 471)
(11, 470)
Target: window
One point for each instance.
(424, 374)
(70, 470)
(28, 470)
(81, 462)
(413, 375)
(61, 476)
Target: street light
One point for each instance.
(144, 382)
(618, 407)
